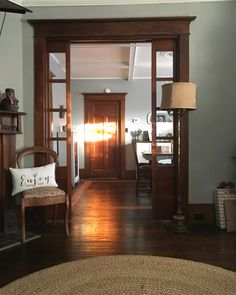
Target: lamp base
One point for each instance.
(179, 224)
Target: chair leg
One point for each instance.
(22, 221)
(137, 184)
(54, 214)
(67, 215)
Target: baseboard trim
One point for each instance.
(201, 213)
(128, 174)
(82, 173)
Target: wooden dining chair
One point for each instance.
(41, 196)
(143, 173)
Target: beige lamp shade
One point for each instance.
(178, 95)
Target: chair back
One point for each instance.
(135, 152)
(35, 150)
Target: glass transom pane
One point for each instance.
(60, 147)
(159, 91)
(164, 125)
(57, 65)
(58, 125)
(58, 95)
(164, 64)
(165, 152)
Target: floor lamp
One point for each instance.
(181, 97)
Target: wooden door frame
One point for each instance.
(62, 172)
(111, 97)
(112, 30)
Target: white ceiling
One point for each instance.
(111, 61)
(101, 2)
(126, 61)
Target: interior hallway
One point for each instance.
(108, 219)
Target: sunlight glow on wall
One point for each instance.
(100, 131)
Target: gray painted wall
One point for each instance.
(11, 60)
(212, 67)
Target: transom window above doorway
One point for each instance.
(126, 61)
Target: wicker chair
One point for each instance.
(41, 196)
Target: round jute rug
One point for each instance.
(127, 275)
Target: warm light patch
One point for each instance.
(99, 131)
(96, 225)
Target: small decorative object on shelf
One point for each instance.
(64, 128)
(137, 134)
(62, 112)
(225, 191)
(145, 135)
(8, 101)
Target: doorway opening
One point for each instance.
(166, 34)
(110, 98)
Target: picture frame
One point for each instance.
(161, 116)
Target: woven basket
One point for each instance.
(220, 195)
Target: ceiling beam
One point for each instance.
(132, 53)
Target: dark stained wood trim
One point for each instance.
(86, 145)
(163, 187)
(57, 138)
(122, 134)
(183, 76)
(68, 121)
(153, 122)
(128, 174)
(107, 96)
(100, 29)
(82, 173)
(121, 20)
(40, 115)
(201, 213)
(109, 30)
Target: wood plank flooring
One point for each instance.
(108, 219)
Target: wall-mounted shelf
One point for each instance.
(10, 122)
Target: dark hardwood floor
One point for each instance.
(108, 219)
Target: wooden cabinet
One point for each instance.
(10, 125)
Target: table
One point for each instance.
(164, 159)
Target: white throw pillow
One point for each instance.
(26, 178)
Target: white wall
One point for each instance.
(212, 67)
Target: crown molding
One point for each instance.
(104, 2)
